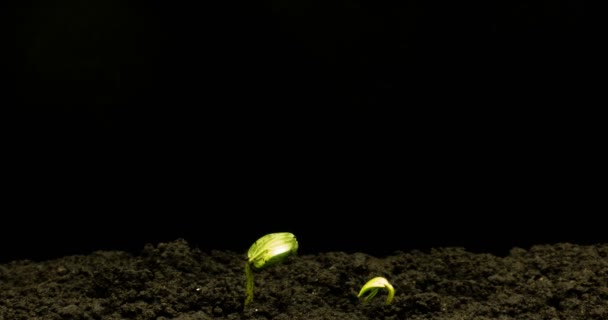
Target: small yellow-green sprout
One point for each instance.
(269, 250)
(375, 284)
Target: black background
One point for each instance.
(357, 126)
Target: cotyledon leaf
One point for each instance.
(272, 249)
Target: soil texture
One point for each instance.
(175, 280)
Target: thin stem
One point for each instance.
(249, 275)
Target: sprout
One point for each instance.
(373, 286)
(269, 250)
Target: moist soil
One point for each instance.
(174, 280)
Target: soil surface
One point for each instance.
(176, 281)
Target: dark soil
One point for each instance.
(175, 281)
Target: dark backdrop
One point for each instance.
(357, 126)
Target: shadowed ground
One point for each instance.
(175, 281)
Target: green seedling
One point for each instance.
(375, 284)
(269, 250)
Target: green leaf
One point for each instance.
(272, 249)
(375, 284)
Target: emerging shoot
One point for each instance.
(375, 284)
(269, 250)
